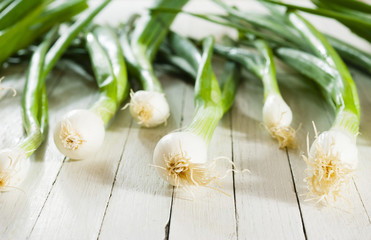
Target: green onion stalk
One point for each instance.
(81, 132)
(277, 115)
(181, 157)
(333, 156)
(149, 106)
(15, 10)
(352, 13)
(14, 162)
(279, 33)
(36, 22)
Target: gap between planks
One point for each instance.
(115, 178)
(168, 224)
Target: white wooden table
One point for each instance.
(118, 195)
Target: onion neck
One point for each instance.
(30, 143)
(205, 121)
(347, 121)
(105, 108)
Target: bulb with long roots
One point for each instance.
(79, 134)
(181, 160)
(331, 162)
(149, 108)
(14, 165)
(277, 117)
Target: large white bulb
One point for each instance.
(180, 156)
(276, 112)
(149, 108)
(338, 143)
(14, 166)
(331, 163)
(79, 134)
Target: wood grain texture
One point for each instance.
(265, 198)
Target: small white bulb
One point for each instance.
(79, 134)
(14, 166)
(336, 142)
(149, 108)
(176, 153)
(276, 112)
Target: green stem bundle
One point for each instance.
(181, 157)
(149, 107)
(35, 23)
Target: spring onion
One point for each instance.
(181, 157)
(332, 158)
(149, 106)
(14, 162)
(81, 132)
(277, 115)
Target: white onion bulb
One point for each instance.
(277, 117)
(338, 143)
(149, 108)
(332, 160)
(180, 158)
(276, 112)
(14, 166)
(79, 134)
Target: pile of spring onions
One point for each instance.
(14, 161)
(133, 50)
(332, 158)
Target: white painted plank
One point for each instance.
(140, 203)
(265, 199)
(20, 209)
(210, 215)
(10, 110)
(339, 222)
